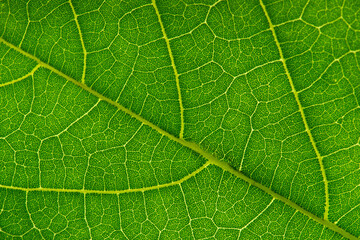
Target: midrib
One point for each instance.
(193, 146)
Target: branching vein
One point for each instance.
(21, 78)
(174, 68)
(193, 146)
(85, 191)
(81, 40)
(307, 129)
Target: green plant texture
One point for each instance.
(180, 119)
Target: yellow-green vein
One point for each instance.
(307, 129)
(193, 146)
(21, 78)
(174, 68)
(84, 191)
(81, 40)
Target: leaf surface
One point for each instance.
(180, 119)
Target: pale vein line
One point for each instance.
(187, 211)
(252, 220)
(193, 146)
(84, 191)
(21, 78)
(352, 209)
(30, 215)
(85, 217)
(181, 135)
(120, 216)
(318, 155)
(81, 40)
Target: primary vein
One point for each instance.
(296, 95)
(193, 146)
(174, 68)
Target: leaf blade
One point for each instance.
(97, 143)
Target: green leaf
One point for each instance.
(193, 119)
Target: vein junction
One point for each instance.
(211, 160)
(174, 68)
(307, 129)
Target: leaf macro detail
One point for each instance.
(192, 119)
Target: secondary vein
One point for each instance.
(21, 78)
(174, 69)
(81, 40)
(307, 129)
(193, 146)
(84, 191)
